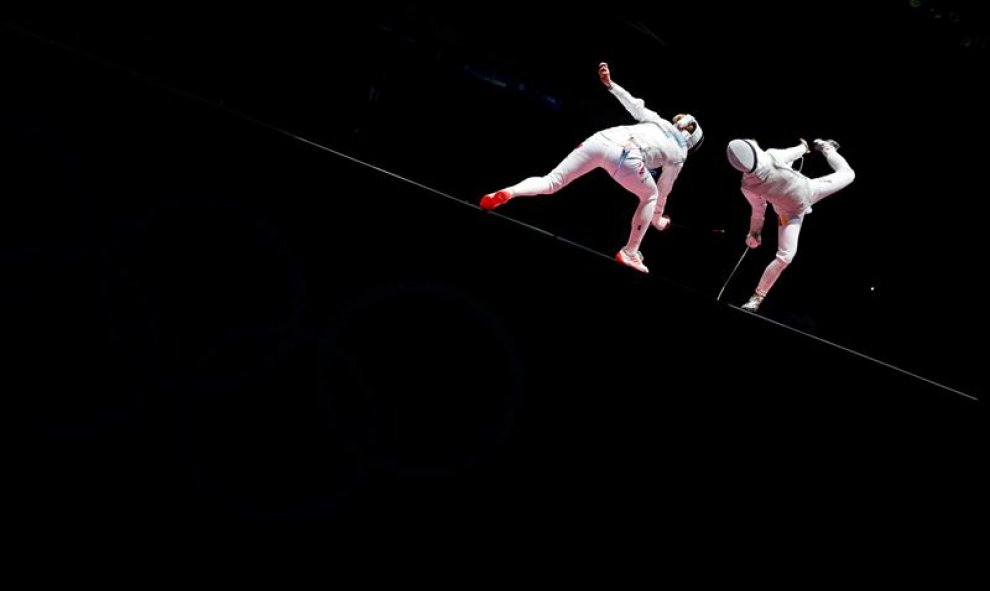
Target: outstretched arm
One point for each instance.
(635, 106)
(789, 155)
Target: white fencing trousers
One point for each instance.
(824, 186)
(623, 163)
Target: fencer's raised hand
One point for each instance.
(604, 75)
(753, 240)
(807, 147)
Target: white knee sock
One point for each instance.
(770, 275)
(534, 185)
(640, 224)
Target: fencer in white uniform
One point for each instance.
(768, 176)
(626, 153)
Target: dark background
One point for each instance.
(219, 332)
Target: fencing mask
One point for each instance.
(742, 155)
(696, 137)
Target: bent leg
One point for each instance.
(635, 178)
(824, 186)
(787, 243)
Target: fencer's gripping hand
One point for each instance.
(753, 240)
(662, 223)
(604, 75)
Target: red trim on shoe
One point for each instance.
(632, 262)
(493, 200)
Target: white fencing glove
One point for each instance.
(753, 239)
